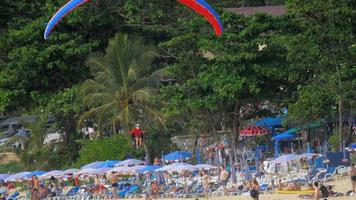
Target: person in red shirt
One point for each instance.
(137, 134)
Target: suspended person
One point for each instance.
(137, 133)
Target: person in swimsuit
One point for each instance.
(206, 182)
(353, 177)
(113, 181)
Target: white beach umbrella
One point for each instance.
(204, 167)
(285, 159)
(54, 173)
(177, 167)
(130, 162)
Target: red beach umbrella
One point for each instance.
(254, 131)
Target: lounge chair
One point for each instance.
(13, 196)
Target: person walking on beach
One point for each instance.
(255, 187)
(206, 182)
(113, 182)
(353, 177)
(35, 188)
(224, 177)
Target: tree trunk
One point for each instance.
(147, 151)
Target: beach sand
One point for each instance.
(340, 185)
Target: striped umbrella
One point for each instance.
(254, 131)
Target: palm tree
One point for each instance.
(121, 89)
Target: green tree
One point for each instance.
(323, 47)
(116, 147)
(121, 89)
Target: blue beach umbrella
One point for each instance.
(309, 149)
(177, 156)
(94, 165)
(109, 163)
(34, 173)
(149, 168)
(232, 171)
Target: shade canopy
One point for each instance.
(287, 135)
(254, 131)
(270, 121)
(177, 156)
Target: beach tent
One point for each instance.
(177, 156)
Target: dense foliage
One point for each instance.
(303, 61)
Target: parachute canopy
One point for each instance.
(200, 6)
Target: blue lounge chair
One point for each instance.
(73, 191)
(134, 189)
(14, 196)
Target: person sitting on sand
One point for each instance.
(317, 193)
(280, 185)
(293, 187)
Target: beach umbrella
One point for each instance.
(176, 167)
(307, 156)
(34, 173)
(71, 171)
(148, 168)
(18, 176)
(88, 171)
(177, 156)
(204, 167)
(54, 173)
(254, 131)
(285, 158)
(130, 162)
(270, 121)
(4, 176)
(94, 165)
(109, 163)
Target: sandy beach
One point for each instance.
(340, 185)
